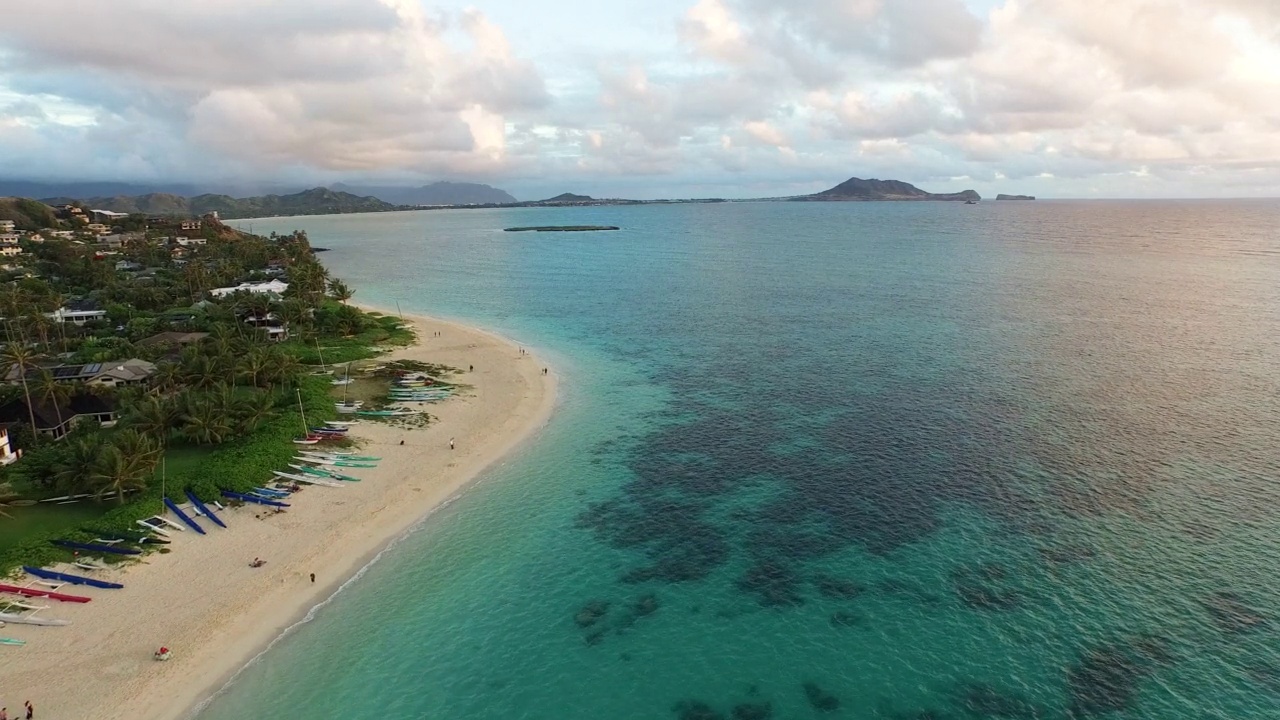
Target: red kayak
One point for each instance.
(33, 592)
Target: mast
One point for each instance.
(302, 413)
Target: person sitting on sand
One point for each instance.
(257, 562)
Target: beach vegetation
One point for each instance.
(220, 407)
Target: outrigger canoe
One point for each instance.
(36, 592)
(67, 577)
(252, 499)
(173, 507)
(307, 479)
(96, 548)
(31, 620)
(203, 509)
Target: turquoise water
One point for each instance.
(833, 461)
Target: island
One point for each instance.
(561, 228)
(858, 189)
(1002, 196)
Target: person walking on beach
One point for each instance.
(450, 447)
(31, 710)
(471, 368)
(313, 578)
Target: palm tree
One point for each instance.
(117, 472)
(52, 391)
(18, 355)
(153, 417)
(73, 473)
(166, 376)
(202, 372)
(340, 291)
(203, 423)
(255, 364)
(256, 411)
(139, 447)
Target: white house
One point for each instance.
(64, 234)
(78, 312)
(270, 287)
(9, 238)
(107, 215)
(185, 241)
(10, 250)
(98, 228)
(8, 455)
(7, 226)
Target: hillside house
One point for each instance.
(9, 238)
(79, 312)
(128, 266)
(63, 234)
(98, 228)
(188, 241)
(107, 216)
(191, 225)
(112, 374)
(274, 288)
(7, 226)
(56, 421)
(10, 250)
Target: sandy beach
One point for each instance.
(203, 600)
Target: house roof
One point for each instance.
(82, 305)
(173, 338)
(127, 371)
(46, 414)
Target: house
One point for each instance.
(173, 339)
(8, 455)
(270, 287)
(7, 226)
(128, 265)
(35, 238)
(64, 234)
(107, 216)
(57, 421)
(190, 225)
(97, 228)
(79, 312)
(112, 374)
(116, 240)
(10, 250)
(275, 333)
(185, 241)
(9, 238)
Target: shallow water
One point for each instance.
(834, 460)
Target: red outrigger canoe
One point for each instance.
(34, 592)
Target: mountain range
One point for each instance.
(357, 199)
(316, 201)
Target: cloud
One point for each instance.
(1181, 96)
(333, 85)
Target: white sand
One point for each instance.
(205, 603)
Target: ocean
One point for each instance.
(864, 460)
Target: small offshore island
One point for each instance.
(561, 228)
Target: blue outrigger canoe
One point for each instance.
(203, 509)
(249, 498)
(183, 516)
(95, 548)
(73, 579)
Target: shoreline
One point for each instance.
(217, 614)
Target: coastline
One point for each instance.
(216, 613)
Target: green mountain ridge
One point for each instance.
(316, 201)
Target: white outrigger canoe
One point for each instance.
(32, 620)
(308, 479)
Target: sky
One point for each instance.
(662, 98)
